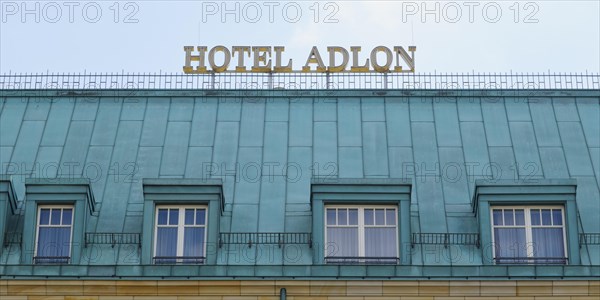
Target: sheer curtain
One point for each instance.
(166, 243)
(510, 242)
(548, 242)
(54, 242)
(380, 242)
(342, 241)
(193, 243)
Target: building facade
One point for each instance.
(312, 194)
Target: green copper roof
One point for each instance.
(269, 146)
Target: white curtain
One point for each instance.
(342, 241)
(54, 242)
(380, 242)
(166, 243)
(510, 242)
(193, 242)
(548, 242)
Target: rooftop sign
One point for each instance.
(266, 59)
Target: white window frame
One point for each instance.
(37, 224)
(361, 225)
(181, 228)
(528, 227)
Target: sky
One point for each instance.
(149, 36)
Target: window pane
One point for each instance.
(535, 217)
(342, 241)
(548, 242)
(46, 245)
(67, 216)
(44, 216)
(519, 217)
(353, 216)
(189, 216)
(162, 216)
(497, 217)
(508, 217)
(53, 242)
(193, 242)
(166, 241)
(369, 217)
(510, 242)
(342, 218)
(546, 217)
(55, 216)
(380, 242)
(390, 217)
(380, 217)
(330, 216)
(557, 216)
(64, 241)
(173, 216)
(201, 216)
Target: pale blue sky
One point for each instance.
(560, 36)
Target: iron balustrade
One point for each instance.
(366, 260)
(175, 260)
(13, 238)
(589, 239)
(43, 260)
(301, 81)
(113, 238)
(446, 239)
(531, 260)
(273, 238)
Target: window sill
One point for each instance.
(178, 260)
(531, 260)
(348, 260)
(51, 260)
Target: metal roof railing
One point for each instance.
(299, 81)
(265, 238)
(445, 239)
(13, 238)
(589, 239)
(177, 260)
(531, 260)
(362, 260)
(113, 238)
(51, 260)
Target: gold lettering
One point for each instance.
(355, 66)
(260, 56)
(240, 50)
(388, 62)
(226, 59)
(314, 58)
(341, 67)
(278, 67)
(410, 61)
(201, 68)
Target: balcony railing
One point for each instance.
(272, 238)
(51, 260)
(446, 239)
(361, 260)
(13, 238)
(113, 238)
(531, 260)
(302, 81)
(589, 239)
(177, 260)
